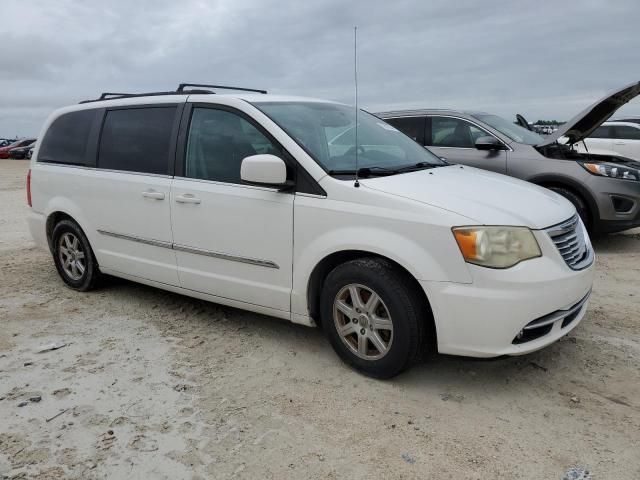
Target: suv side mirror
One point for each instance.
(265, 171)
(489, 143)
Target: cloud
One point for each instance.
(543, 59)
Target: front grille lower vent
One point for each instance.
(572, 241)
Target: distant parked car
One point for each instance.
(4, 151)
(635, 119)
(20, 153)
(4, 142)
(621, 138)
(604, 187)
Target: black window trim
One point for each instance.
(304, 183)
(179, 106)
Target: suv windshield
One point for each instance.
(511, 130)
(327, 132)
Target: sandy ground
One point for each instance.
(156, 385)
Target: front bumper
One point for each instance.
(484, 318)
(618, 203)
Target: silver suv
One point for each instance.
(605, 189)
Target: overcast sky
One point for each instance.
(544, 59)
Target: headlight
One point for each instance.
(496, 247)
(612, 170)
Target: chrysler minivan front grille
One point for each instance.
(572, 241)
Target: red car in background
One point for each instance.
(4, 151)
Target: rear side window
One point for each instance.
(411, 126)
(67, 138)
(137, 140)
(601, 132)
(627, 133)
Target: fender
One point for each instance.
(64, 205)
(378, 241)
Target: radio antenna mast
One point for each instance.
(355, 78)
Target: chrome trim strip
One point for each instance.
(563, 227)
(558, 315)
(224, 256)
(146, 241)
(310, 195)
(196, 251)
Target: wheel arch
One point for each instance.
(562, 181)
(55, 217)
(332, 260)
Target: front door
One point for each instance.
(454, 139)
(231, 240)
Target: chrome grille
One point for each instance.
(572, 241)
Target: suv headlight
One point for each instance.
(612, 170)
(496, 247)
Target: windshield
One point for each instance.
(511, 130)
(327, 132)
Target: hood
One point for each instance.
(583, 124)
(485, 197)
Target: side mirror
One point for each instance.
(489, 143)
(265, 171)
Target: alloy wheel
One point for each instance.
(363, 321)
(72, 256)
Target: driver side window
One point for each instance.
(218, 142)
(453, 133)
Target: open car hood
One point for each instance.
(583, 124)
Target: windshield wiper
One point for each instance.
(382, 171)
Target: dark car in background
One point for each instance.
(20, 153)
(604, 188)
(4, 151)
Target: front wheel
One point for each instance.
(373, 317)
(578, 202)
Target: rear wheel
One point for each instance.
(373, 317)
(578, 202)
(73, 256)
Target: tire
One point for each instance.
(578, 202)
(399, 312)
(73, 256)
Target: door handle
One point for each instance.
(187, 198)
(619, 143)
(153, 194)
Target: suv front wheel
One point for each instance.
(373, 316)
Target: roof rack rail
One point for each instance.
(183, 89)
(182, 86)
(116, 96)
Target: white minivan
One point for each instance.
(287, 207)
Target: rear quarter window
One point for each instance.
(67, 139)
